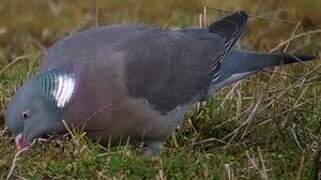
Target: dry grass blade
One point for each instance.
(254, 164)
(284, 43)
(77, 139)
(205, 15)
(246, 122)
(174, 140)
(230, 172)
(83, 23)
(262, 161)
(15, 159)
(235, 85)
(93, 115)
(97, 14)
(293, 34)
(281, 74)
(238, 104)
(301, 167)
(105, 108)
(209, 140)
(252, 114)
(317, 163)
(200, 20)
(161, 175)
(68, 129)
(16, 61)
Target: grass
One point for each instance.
(265, 127)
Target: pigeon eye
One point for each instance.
(25, 114)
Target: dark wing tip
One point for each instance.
(286, 58)
(307, 57)
(230, 28)
(243, 13)
(300, 57)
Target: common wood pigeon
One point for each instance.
(131, 80)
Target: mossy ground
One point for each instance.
(265, 127)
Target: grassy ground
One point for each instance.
(266, 127)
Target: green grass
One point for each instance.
(226, 136)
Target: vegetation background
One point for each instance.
(265, 127)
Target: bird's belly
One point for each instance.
(127, 119)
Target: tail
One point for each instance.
(253, 62)
(241, 64)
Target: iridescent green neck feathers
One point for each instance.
(58, 87)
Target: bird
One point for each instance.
(132, 81)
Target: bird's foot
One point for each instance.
(153, 148)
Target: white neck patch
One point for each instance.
(64, 89)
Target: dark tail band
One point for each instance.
(288, 58)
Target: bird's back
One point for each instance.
(165, 67)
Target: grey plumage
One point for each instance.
(240, 64)
(128, 80)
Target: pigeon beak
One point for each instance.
(21, 142)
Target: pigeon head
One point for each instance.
(36, 108)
